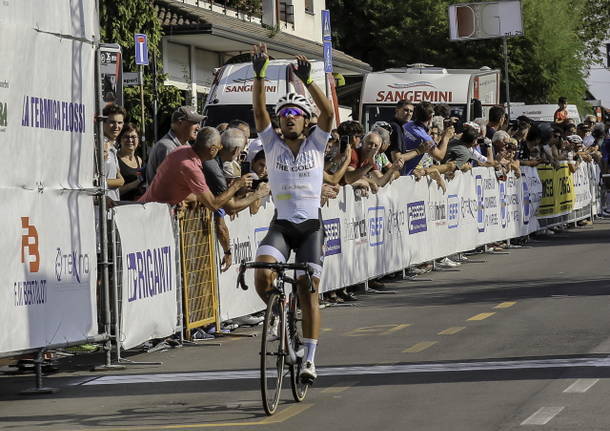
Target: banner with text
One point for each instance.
(558, 196)
(148, 273)
(47, 93)
(405, 223)
(49, 268)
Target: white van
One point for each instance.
(461, 89)
(542, 112)
(230, 96)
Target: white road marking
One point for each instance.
(543, 416)
(354, 371)
(580, 386)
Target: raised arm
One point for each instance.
(303, 71)
(260, 61)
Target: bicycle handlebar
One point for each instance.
(275, 266)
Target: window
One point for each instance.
(287, 12)
(309, 6)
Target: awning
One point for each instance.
(184, 23)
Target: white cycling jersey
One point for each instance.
(296, 182)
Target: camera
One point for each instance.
(256, 183)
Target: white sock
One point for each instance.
(310, 349)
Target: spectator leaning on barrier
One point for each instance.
(114, 119)
(180, 175)
(130, 164)
(402, 115)
(416, 139)
(363, 164)
(232, 143)
(461, 151)
(185, 124)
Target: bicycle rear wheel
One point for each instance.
(299, 389)
(272, 353)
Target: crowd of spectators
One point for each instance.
(224, 168)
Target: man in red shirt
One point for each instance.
(180, 175)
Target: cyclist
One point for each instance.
(295, 165)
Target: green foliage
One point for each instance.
(547, 62)
(119, 21)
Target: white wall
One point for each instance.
(599, 80)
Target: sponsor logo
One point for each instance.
(355, 230)
(453, 211)
(413, 95)
(395, 221)
(53, 114)
(503, 205)
(245, 85)
(242, 250)
(30, 252)
(437, 213)
(332, 237)
(149, 273)
(30, 292)
(71, 265)
(412, 84)
(526, 203)
(376, 226)
(416, 213)
(480, 192)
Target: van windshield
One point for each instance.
(224, 113)
(374, 113)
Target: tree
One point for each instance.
(544, 63)
(119, 21)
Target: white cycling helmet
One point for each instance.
(294, 99)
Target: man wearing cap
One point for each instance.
(185, 125)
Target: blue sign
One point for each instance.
(416, 213)
(332, 236)
(326, 25)
(453, 211)
(328, 57)
(376, 226)
(141, 48)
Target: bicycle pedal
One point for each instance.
(305, 380)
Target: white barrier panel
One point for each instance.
(582, 186)
(49, 269)
(405, 223)
(47, 93)
(149, 273)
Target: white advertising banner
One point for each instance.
(49, 269)
(47, 93)
(148, 273)
(406, 223)
(582, 186)
(247, 231)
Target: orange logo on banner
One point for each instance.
(29, 242)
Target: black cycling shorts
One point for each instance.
(306, 239)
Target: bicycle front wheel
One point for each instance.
(272, 353)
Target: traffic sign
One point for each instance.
(326, 34)
(328, 56)
(141, 47)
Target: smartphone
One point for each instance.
(245, 167)
(343, 143)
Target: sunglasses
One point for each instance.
(294, 112)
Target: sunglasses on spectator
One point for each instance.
(294, 112)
